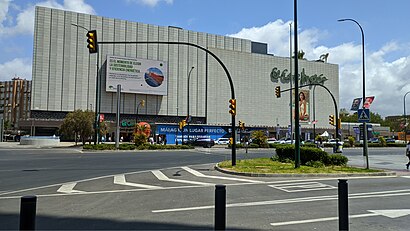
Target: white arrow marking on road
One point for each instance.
(198, 174)
(394, 213)
(68, 188)
(161, 176)
(120, 179)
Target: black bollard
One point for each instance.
(220, 207)
(343, 206)
(28, 213)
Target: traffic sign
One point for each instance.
(363, 115)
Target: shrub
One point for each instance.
(253, 145)
(315, 164)
(312, 145)
(126, 147)
(309, 154)
(337, 159)
(351, 141)
(382, 141)
(139, 139)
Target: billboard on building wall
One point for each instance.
(136, 75)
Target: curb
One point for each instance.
(251, 174)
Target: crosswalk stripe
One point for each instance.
(198, 174)
(120, 180)
(161, 176)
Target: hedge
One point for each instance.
(133, 147)
(309, 154)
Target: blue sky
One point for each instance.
(385, 23)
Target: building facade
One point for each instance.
(15, 101)
(64, 75)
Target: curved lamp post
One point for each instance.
(141, 103)
(405, 117)
(365, 152)
(188, 117)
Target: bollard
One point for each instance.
(28, 213)
(343, 205)
(220, 207)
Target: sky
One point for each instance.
(386, 26)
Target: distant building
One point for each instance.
(15, 100)
(65, 78)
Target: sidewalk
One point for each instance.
(17, 145)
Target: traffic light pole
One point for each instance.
(216, 58)
(97, 103)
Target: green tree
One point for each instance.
(78, 123)
(103, 129)
(140, 134)
(259, 137)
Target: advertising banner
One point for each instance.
(136, 75)
(304, 106)
(355, 104)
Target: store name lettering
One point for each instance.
(304, 79)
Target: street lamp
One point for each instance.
(291, 79)
(405, 117)
(188, 119)
(365, 153)
(141, 103)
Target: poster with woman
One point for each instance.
(304, 106)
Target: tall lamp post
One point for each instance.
(188, 118)
(405, 117)
(365, 152)
(141, 103)
(291, 79)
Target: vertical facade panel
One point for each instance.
(108, 99)
(152, 54)
(163, 55)
(69, 65)
(173, 86)
(82, 65)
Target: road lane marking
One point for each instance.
(320, 220)
(198, 174)
(403, 192)
(161, 176)
(302, 187)
(392, 213)
(120, 180)
(68, 188)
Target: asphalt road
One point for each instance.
(175, 190)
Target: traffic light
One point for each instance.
(232, 106)
(332, 119)
(182, 124)
(277, 91)
(339, 123)
(92, 41)
(142, 103)
(241, 125)
(231, 141)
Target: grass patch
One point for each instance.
(266, 165)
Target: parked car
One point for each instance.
(390, 140)
(374, 140)
(204, 142)
(222, 141)
(271, 140)
(333, 141)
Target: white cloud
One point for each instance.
(16, 67)
(385, 79)
(151, 3)
(24, 19)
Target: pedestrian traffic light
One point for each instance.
(339, 123)
(231, 141)
(332, 119)
(92, 41)
(277, 91)
(183, 123)
(232, 106)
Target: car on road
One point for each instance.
(204, 142)
(222, 141)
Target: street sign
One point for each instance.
(363, 115)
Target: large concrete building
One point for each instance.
(64, 75)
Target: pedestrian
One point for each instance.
(408, 155)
